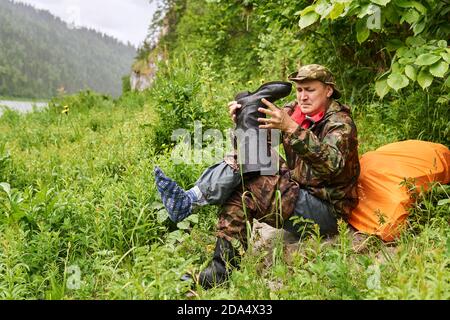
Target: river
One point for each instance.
(23, 106)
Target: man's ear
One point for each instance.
(330, 91)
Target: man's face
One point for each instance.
(313, 96)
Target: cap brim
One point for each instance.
(292, 75)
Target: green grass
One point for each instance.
(80, 219)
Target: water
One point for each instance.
(22, 106)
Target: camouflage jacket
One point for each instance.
(324, 158)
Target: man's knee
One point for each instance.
(218, 182)
(312, 210)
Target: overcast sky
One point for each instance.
(126, 20)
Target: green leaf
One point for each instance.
(408, 4)
(396, 68)
(175, 236)
(382, 88)
(443, 202)
(447, 82)
(162, 215)
(183, 225)
(362, 32)
(394, 44)
(381, 2)
(397, 81)
(406, 56)
(427, 59)
(391, 14)
(446, 56)
(411, 72)
(411, 16)
(7, 188)
(439, 69)
(425, 79)
(415, 41)
(367, 9)
(442, 44)
(443, 100)
(323, 8)
(407, 60)
(307, 10)
(404, 52)
(156, 206)
(338, 8)
(308, 19)
(403, 3)
(193, 218)
(420, 7)
(419, 27)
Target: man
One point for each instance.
(318, 182)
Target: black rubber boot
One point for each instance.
(247, 125)
(225, 258)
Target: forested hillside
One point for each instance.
(80, 215)
(39, 54)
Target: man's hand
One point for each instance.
(280, 119)
(232, 107)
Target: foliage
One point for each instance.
(80, 216)
(414, 32)
(126, 84)
(78, 195)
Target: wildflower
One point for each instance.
(65, 110)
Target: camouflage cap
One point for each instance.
(315, 72)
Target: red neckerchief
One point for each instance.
(305, 121)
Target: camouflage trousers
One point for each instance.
(270, 199)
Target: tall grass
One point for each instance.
(80, 219)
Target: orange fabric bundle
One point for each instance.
(383, 202)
